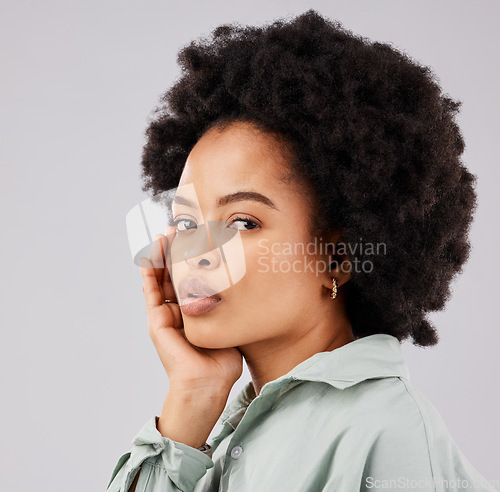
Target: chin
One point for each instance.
(203, 340)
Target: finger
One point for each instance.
(168, 288)
(152, 292)
(160, 257)
(178, 322)
(168, 335)
(157, 257)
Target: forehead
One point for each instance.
(243, 158)
(235, 155)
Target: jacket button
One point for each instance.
(236, 452)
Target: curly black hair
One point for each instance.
(373, 137)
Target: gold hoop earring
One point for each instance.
(333, 294)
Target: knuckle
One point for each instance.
(153, 334)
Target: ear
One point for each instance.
(338, 259)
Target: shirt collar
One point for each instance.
(373, 356)
(370, 357)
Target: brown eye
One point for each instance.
(183, 227)
(242, 223)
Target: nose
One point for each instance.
(203, 250)
(209, 260)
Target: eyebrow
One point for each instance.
(232, 198)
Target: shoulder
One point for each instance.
(378, 414)
(389, 415)
(383, 430)
(402, 437)
(376, 405)
(376, 431)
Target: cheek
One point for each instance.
(278, 273)
(291, 279)
(279, 265)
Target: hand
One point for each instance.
(189, 368)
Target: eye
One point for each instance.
(243, 220)
(181, 225)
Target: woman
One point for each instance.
(295, 134)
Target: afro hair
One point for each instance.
(373, 136)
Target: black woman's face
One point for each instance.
(273, 297)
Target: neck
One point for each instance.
(269, 359)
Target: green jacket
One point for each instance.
(347, 420)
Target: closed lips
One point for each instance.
(195, 287)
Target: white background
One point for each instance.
(79, 374)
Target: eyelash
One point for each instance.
(241, 218)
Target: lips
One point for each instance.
(195, 287)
